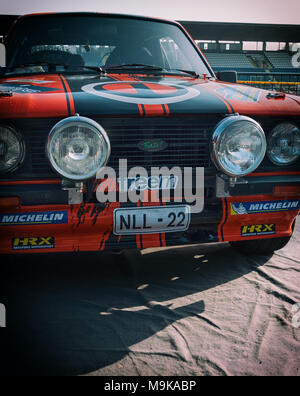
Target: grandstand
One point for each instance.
(260, 54)
(220, 62)
(281, 61)
(246, 61)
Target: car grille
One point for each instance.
(186, 143)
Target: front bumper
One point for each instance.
(254, 210)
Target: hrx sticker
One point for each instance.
(33, 243)
(258, 229)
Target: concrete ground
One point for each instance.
(196, 310)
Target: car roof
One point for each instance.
(99, 14)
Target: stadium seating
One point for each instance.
(260, 62)
(279, 60)
(224, 61)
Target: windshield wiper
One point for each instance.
(191, 72)
(97, 69)
(50, 65)
(134, 66)
(103, 70)
(137, 66)
(143, 67)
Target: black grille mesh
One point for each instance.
(187, 142)
(187, 139)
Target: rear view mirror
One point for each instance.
(227, 76)
(2, 55)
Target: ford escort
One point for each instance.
(82, 92)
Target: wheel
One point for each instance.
(261, 246)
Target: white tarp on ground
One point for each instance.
(181, 311)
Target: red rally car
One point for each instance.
(80, 91)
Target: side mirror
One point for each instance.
(228, 76)
(2, 55)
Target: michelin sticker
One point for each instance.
(244, 208)
(34, 218)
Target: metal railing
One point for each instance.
(280, 82)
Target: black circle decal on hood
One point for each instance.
(146, 93)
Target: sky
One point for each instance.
(251, 11)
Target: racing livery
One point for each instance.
(91, 99)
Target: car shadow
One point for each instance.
(72, 314)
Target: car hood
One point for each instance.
(59, 95)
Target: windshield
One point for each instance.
(99, 41)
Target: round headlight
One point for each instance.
(78, 148)
(12, 149)
(284, 144)
(239, 145)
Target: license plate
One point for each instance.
(151, 220)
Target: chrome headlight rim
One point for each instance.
(101, 133)
(270, 136)
(22, 144)
(218, 132)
